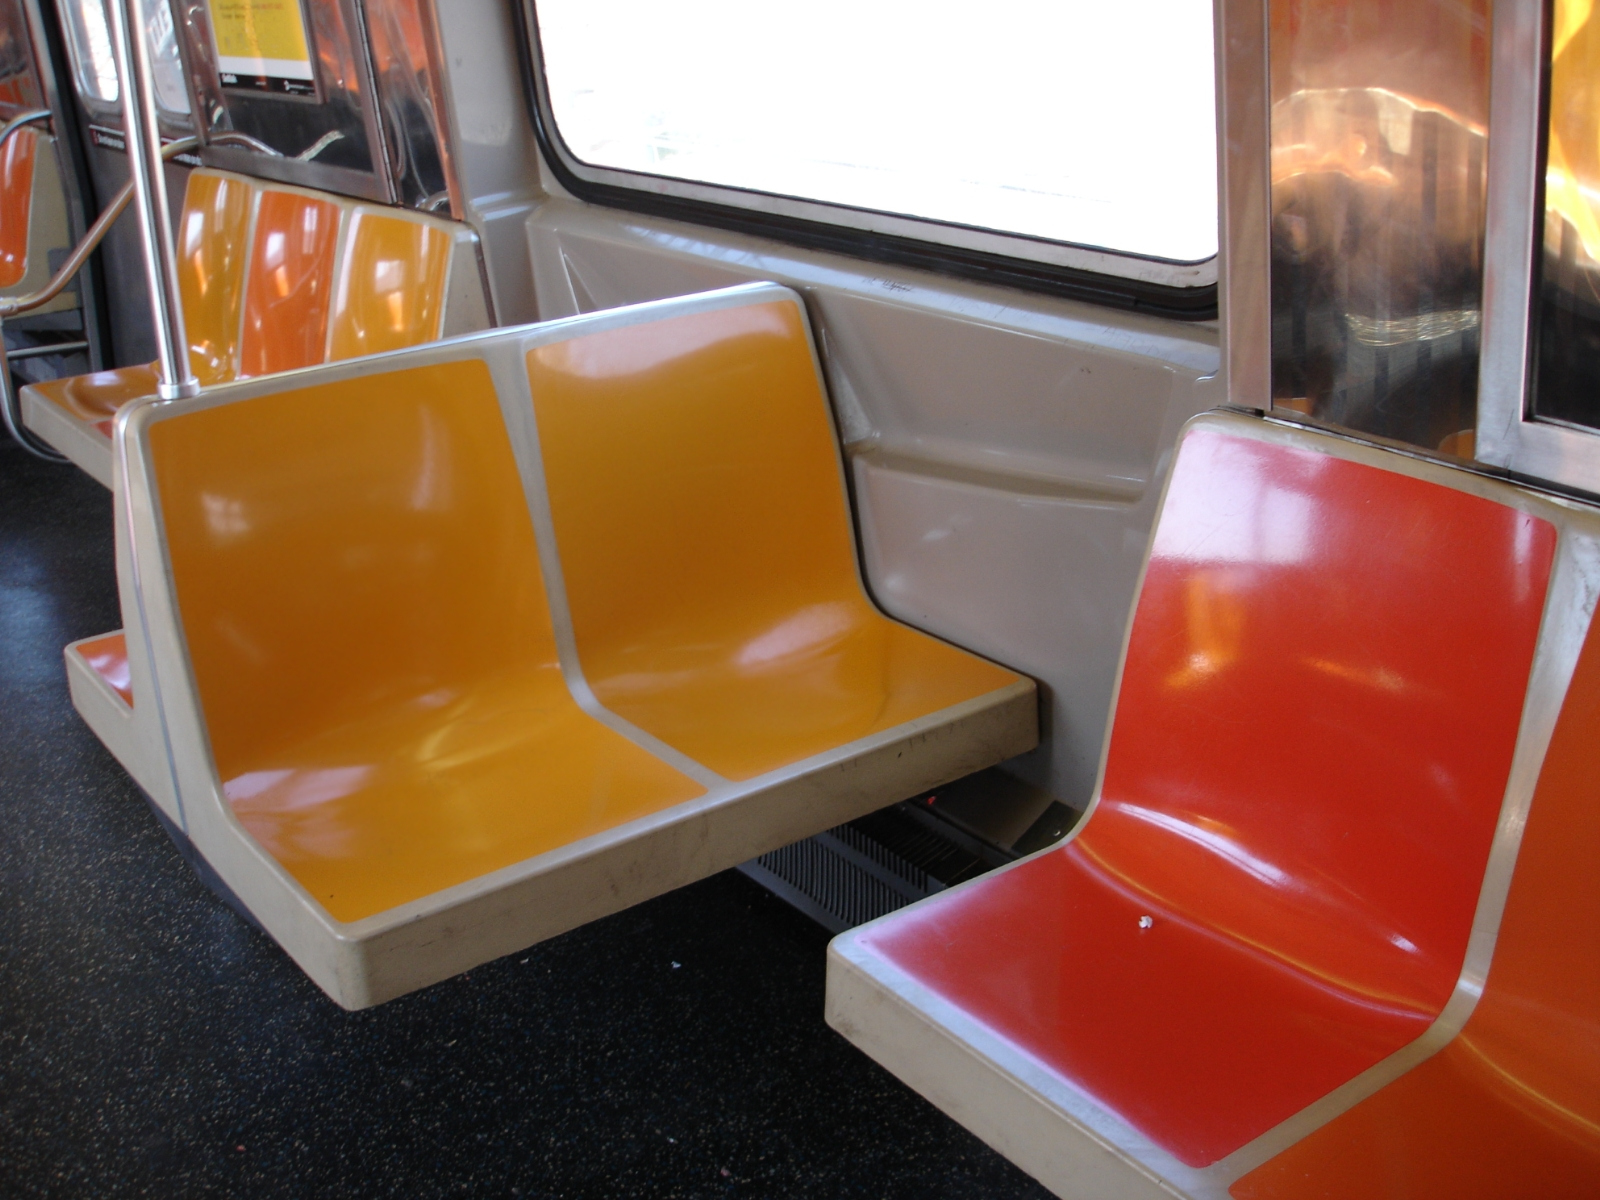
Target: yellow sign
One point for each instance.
(262, 44)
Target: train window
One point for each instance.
(1379, 117)
(1567, 343)
(1037, 131)
(89, 45)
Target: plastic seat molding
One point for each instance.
(375, 958)
(75, 415)
(1055, 1129)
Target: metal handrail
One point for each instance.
(27, 118)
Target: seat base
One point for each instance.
(367, 962)
(86, 443)
(95, 668)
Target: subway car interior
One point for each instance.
(1066, 668)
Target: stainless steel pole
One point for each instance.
(150, 197)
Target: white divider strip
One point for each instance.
(509, 370)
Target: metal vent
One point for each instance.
(841, 878)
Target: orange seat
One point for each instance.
(1275, 891)
(274, 278)
(16, 201)
(33, 215)
(370, 671)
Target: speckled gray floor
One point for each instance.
(153, 1044)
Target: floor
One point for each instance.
(154, 1044)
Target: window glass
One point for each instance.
(1566, 384)
(1379, 139)
(1077, 121)
(94, 62)
(89, 40)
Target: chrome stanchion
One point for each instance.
(150, 197)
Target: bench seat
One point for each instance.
(453, 651)
(1311, 795)
(274, 278)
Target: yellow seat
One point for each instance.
(440, 677)
(371, 644)
(275, 278)
(707, 549)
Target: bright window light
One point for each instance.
(1075, 121)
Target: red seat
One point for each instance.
(1321, 696)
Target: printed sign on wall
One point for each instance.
(262, 45)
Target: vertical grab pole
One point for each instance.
(150, 195)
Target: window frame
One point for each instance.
(66, 12)
(1510, 435)
(1120, 279)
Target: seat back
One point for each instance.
(1319, 701)
(274, 277)
(347, 547)
(717, 561)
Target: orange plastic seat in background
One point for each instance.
(371, 643)
(213, 247)
(16, 204)
(211, 253)
(706, 545)
(268, 285)
(390, 292)
(287, 296)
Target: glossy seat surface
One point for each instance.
(1311, 742)
(390, 292)
(16, 202)
(373, 697)
(706, 545)
(371, 643)
(289, 289)
(1511, 1107)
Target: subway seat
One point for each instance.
(1252, 971)
(33, 216)
(455, 651)
(275, 278)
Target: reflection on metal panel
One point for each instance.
(1379, 116)
(347, 100)
(1567, 354)
(404, 61)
